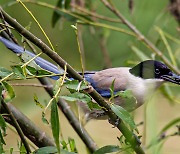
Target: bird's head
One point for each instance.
(151, 69)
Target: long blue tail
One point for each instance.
(39, 61)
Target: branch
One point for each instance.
(32, 132)
(131, 138)
(95, 15)
(16, 125)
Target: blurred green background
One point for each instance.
(146, 16)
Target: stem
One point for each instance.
(30, 84)
(32, 132)
(95, 15)
(34, 18)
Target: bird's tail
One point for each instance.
(39, 61)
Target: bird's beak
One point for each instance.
(172, 77)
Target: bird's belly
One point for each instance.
(143, 92)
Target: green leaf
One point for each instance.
(19, 71)
(44, 118)
(64, 145)
(107, 149)
(2, 124)
(22, 148)
(4, 72)
(1, 148)
(129, 99)
(55, 123)
(2, 139)
(31, 70)
(77, 97)
(37, 72)
(57, 85)
(46, 150)
(92, 105)
(11, 150)
(170, 124)
(124, 115)
(76, 85)
(37, 102)
(112, 88)
(67, 152)
(9, 94)
(25, 57)
(72, 145)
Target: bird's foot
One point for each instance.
(137, 139)
(101, 114)
(114, 123)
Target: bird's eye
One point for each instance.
(157, 71)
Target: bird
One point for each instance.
(142, 79)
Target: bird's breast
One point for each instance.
(143, 89)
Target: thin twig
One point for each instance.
(95, 15)
(4, 25)
(34, 18)
(30, 85)
(79, 48)
(59, 89)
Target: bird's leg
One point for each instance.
(114, 123)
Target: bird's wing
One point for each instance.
(102, 80)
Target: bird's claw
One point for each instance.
(114, 123)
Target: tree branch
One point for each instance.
(32, 132)
(16, 125)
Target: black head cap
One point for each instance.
(151, 69)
